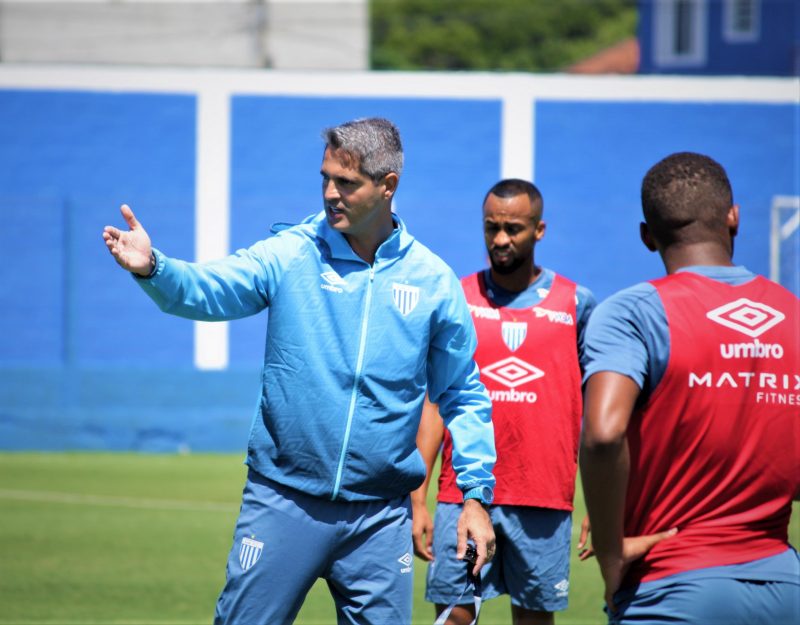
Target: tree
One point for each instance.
(511, 35)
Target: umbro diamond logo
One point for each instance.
(512, 372)
(405, 560)
(334, 282)
(250, 552)
(562, 587)
(746, 316)
(331, 277)
(405, 296)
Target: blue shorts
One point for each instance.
(762, 592)
(531, 563)
(285, 540)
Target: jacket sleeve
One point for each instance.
(239, 285)
(454, 384)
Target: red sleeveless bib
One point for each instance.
(529, 363)
(716, 450)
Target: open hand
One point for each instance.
(131, 249)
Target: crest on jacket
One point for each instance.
(405, 297)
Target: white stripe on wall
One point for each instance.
(516, 147)
(478, 86)
(212, 212)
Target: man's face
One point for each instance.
(352, 200)
(511, 230)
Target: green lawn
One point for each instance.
(119, 539)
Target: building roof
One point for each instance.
(621, 58)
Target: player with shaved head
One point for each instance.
(689, 453)
(530, 322)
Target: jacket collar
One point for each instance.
(396, 245)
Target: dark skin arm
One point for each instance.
(604, 460)
(429, 439)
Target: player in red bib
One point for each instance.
(529, 321)
(689, 453)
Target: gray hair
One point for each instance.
(374, 143)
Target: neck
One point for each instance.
(365, 244)
(519, 279)
(677, 256)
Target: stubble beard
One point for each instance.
(506, 269)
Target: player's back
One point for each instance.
(714, 449)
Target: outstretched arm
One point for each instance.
(232, 287)
(429, 440)
(131, 249)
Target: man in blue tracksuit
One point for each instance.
(363, 321)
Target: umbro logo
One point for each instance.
(746, 316)
(333, 282)
(512, 372)
(405, 560)
(562, 587)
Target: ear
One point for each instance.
(733, 220)
(390, 182)
(540, 230)
(646, 237)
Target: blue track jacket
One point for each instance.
(351, 350)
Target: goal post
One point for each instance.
(784, 245)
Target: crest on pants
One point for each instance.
(249, 553)
(405, 297)
(514, 333)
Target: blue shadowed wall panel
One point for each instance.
(74, 157)
(89, 362)
(591, 157)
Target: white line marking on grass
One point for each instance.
(116, 502)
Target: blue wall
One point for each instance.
(591, 158)
(87, 361)
(776, 52)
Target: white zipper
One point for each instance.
(354, 394)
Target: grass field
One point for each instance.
(118, 539)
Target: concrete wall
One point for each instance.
(277, 34)
(210, 159)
